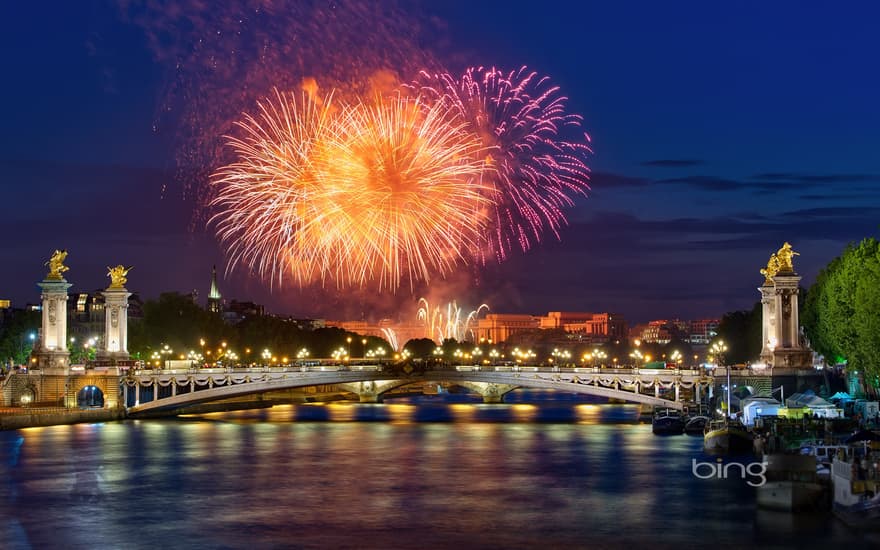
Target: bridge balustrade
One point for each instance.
(157, 389)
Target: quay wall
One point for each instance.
(57, 387)
(37, 418)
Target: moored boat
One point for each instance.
(667, 422)
(790, 483)
(696, 425)
(822, 452)
(855, 479)
(726, 437)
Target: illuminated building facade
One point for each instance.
(215, 302)
(596, 327)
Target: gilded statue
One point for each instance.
(785, 255)
(117, 276)
(772, 268)
(56, 265)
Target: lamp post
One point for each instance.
(717, 349)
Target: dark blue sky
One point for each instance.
(720, 130)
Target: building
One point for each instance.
(5, 310)
(702, 331)
(215, 300)
(498, 327)
(85, 315)
(237, 312)
(592, 327)
(654, 332)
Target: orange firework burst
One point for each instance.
(374, 193)
(262, 200)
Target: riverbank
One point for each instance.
(15, 419)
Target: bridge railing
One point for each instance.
(380, 367)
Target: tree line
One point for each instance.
(841, 313)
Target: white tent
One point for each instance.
(753, 407)
(811, 400)
(818, 406)
(840, 396)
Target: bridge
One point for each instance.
(157, 391)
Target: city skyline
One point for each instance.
(718, 134)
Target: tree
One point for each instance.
(15, 335)
(842, 311)
(421, 348)
(175, 320)
(741, 331)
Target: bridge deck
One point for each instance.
(664, 387)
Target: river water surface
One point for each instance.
(421, 474)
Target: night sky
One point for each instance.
(720, 130)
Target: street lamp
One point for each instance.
(637, 356)
(717, 350)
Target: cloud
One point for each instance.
(707, 183)
(605, 180)
(673, 163)
(815, 179)
(838, 196)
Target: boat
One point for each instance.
(667, 422)
(726, 436)
(790, 483)
(821, 451)
(855, 480)
(696, 425)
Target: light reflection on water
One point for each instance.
(402, 475)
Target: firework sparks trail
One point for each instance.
(391, 337)
(261, 200)
(518, 117)
(453, 325)
(376, 192)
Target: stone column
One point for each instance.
(769, 339)
(787, 312)
(52, 351)
(115, 324)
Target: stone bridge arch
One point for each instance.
(371, 391)
(491, 392)
(108, 385)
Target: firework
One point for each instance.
(391, 337)
(371, 193)
(453, 324)
(263, 212)
(518, 117)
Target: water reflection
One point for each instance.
(412, 475)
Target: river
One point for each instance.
(419, 473)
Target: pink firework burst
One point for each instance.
(519, 116)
